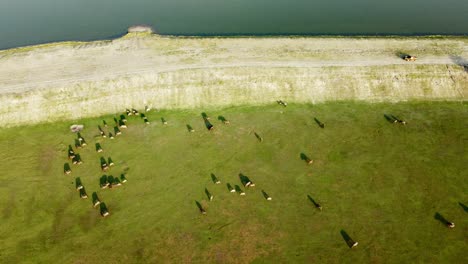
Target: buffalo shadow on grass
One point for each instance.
(258, 137)
(208, 194)
(215, 179)
(200, 207)
(208, 124)
(103, 181)
(244, 180)
(222, 119)
(320, 124)
(390, 118)
(190, 128)
(77, 143)
(66, 168)
(95, 199)
(98, 147)
(349, 241)
(78, 183)
(111, 179)
(317, 205)
(442, 219)
(83, 193)
(465, 208)
(103, 209)
(238, 189)
(103, 161)
(265, 195)
(305, 158)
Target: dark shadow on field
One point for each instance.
(70, 150)
(111, 179)
(104, 123)
(77, 159)
(465, 208)
(208, 124)
(245, 180)
(123, 179)
(390, 118)
(103, 209)
(190, 128)
(320, 124)
(265, 195)
(442, 219)
(116, 121)
(305, 158)
(164, 121)
(83, 193)
(238, 189)
(95, 200)
(77, 143)
(208, 194)
(317, 205)
(223, 119)
(215, 179)
(110, 162)
(98, 147)
(78, 183)
(103, 183)
(258, 137)
(349, 241)
(401, 54)
(200, 207)
(460, 61)
(123, 118)
(230, 188)
(66, 168)
(103, 162)
(117, 131)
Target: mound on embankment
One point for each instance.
(76, 79)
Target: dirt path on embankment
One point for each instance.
(73, 80)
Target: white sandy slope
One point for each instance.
(72, 80)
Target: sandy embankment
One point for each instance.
(73, 80)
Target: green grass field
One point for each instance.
(380, 182)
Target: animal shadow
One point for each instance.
(320, 124)
(245, 180)
(443, 220)
(317, 205)
(305, 158)
(200, 207)
(465, 208)
(215, 179)
(223, 119)
(190, 128)
(349, 241)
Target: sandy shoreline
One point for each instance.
(71, 80)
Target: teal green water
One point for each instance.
(24, 22)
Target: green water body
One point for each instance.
(25, 22)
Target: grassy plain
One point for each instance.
(380, 182)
